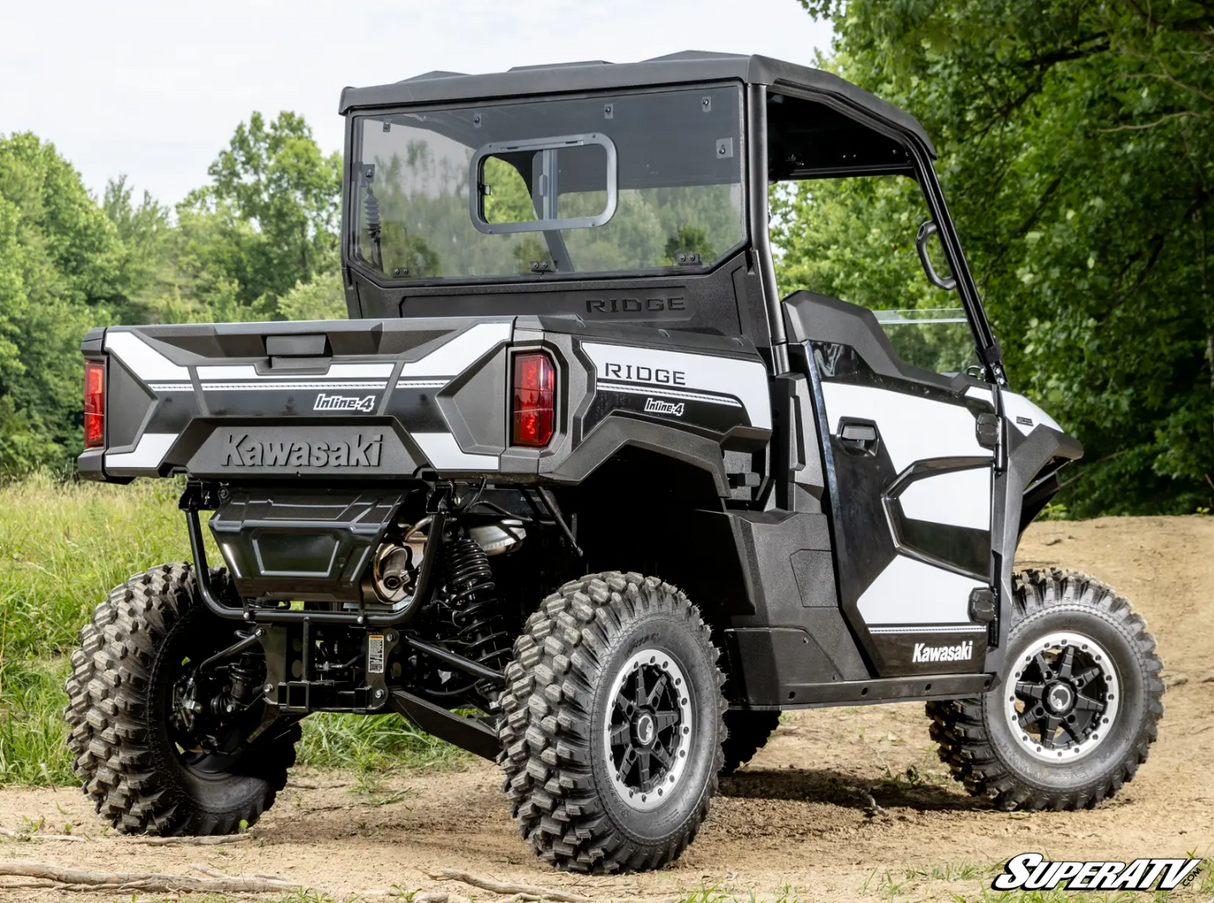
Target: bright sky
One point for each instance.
(154, 89)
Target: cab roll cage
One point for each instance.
(921, 157)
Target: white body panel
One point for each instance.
(912, 429)
(1018, 409)
(147, 455)
(747, 381)
(442, 451)
(911, 592)
(960, 498)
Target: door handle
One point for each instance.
(859, 437)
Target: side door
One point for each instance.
(909, 454)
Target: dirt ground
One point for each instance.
(792, 822)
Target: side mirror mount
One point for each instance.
(926, 231)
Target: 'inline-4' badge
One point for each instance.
(365, 404)
(655, 406)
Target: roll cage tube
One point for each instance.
(988, 348)
(757, 219)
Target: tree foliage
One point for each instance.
(259, 233)
(1076, 144)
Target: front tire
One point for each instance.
(1078, 707)
(612, 724)
(124, 684)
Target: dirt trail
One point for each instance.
(795, 817)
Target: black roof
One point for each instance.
(596, 75)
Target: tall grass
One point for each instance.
(63, 546)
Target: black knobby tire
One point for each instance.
(118, 715)
(559, 708)
(79, 679)
(748, 733)
(976, 738)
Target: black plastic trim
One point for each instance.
(687, 67)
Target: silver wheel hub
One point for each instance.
(649, 728)
(1062, 697)
(645, 731)
(1059, 698)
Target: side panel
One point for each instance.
(1034, 447)
(910, 481)
(796, 636)
(691, 397)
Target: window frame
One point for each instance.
(351, 208)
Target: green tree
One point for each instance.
(1076, 140)
(689, 238)
(321, 299)
(60, 271)
(280, 195)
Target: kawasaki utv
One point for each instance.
(579, 488)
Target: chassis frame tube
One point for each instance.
(467, 733)
(421, 593)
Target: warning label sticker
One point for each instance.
(375, 654)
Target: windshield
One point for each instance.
(935, 338)
(609, 184)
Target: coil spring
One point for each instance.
(243, 676)
(371, 209)
(473, 603)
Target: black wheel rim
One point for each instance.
(649, 728)
(1062, 697)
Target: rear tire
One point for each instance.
(1078, 708)
(748, 733)
(119, 704)
(612, 724)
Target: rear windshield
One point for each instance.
(609, 184)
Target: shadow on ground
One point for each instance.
(824, 785)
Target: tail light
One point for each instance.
(94, 404)
(534, 399)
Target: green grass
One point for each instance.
(63, 546)
(917, 884)
(373, 743)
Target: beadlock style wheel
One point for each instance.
(612, 723)
(1076, 710)
(155, 750)
(650, 727)
(1064, 697)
